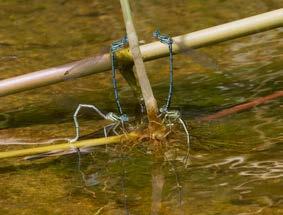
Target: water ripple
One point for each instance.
(267, 169)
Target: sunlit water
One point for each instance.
(236, 162)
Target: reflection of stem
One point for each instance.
(179, 187)
(157, 187)
(123, 184)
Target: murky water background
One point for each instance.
(237, 165)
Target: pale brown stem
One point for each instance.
(149, 100)
(151, 51)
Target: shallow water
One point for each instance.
(236, 164)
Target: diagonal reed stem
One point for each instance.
(150, 102)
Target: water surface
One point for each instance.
(237, 165)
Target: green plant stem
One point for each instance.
(66, 146)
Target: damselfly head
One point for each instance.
(124, 118)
